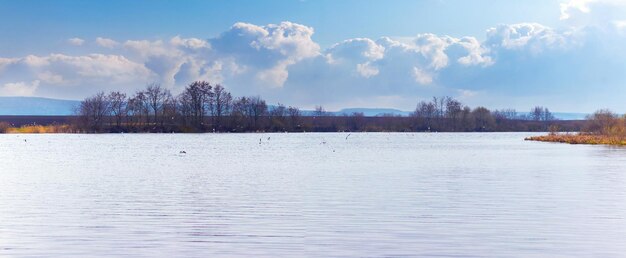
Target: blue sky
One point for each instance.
(568, 55)
(25, 21)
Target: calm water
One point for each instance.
(309, 195)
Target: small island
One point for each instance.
(602, 127)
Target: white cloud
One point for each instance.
(593, 13)
(281, 61)
(110, 68)
(421, 76)
(574, 6)
(358, 53)
(76, 41)
(107, 43)
(466, 94)
(86, 73)
(477, 54)
(529, 36)
(4, 62)
(265, 52)
(19, 88)
(367, 70)
(51, 78)
(191, 43)
(620, 25)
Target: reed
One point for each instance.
(40, 129)
(580, 139)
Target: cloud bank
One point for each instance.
(511, 65)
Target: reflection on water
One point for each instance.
(309, 195)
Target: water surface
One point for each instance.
(316, 195)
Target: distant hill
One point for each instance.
(13, 106)
(372, 111)
(569, 116)
(33, 106)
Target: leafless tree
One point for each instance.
(294, 117)
(602, 122)
(483, 119)
(425, 113)
(356, 122)
(536, 113)
(221, 104)
(156, 96)
(118, 104)
(258, 109)
(138, 108)
(195, 100)
(93, 111)
(278, 117)
(320, 111)
(454, 109)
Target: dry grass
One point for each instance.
(40, 129)
(580, 139)
(602, 127)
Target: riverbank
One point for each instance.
(37, 129)
(580, 139)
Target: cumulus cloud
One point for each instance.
(532, 37)
(75, 74)
(568, 8)
(76, 41)
(421, 76)
(19, 88)
(107, 43)
(282, 62)
(598, 13)
(265, 52)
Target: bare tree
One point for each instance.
(425, 113)
(196, 99)
(356, 122)
(320, 111)
(483, 119)
(454, 109)
(221, 104)
(505, 114)
(439, 106)
(118, 104)
(278, 116)
(93, 111)
(547, 115)
(258, 109)
(170, 105)
(138, 108)
(240, 114)
(536, 113)
(156, 96)
(602, 122)
(294, 117)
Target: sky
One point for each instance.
(568, 55)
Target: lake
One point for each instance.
(312, 195)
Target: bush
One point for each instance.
(4, 127)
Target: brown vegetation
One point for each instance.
(5, 128)
(603, 127)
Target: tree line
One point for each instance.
(204, 107)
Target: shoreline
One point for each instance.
(587, 139)
(68, 129)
